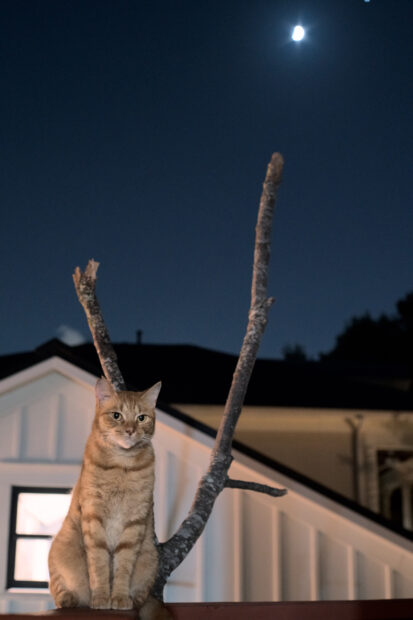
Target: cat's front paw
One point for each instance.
(67, 599)
(100, 601)
(121, 601)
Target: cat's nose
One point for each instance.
(129, 430)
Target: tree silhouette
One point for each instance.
(385, 339)
(294, 353)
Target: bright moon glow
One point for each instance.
(298, 33)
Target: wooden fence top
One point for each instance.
(395, 609)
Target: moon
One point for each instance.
(298, 33)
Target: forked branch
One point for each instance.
(85, 285)
(173, 551)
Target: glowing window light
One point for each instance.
(38, 515)
(41, 513)
(31, 559)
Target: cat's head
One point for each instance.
(125, 419)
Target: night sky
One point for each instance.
(138, 133)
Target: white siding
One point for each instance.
(46, 421)
(299, 547)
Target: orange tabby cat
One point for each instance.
(104, 555)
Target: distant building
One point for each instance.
(334, 430)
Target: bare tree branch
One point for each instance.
(85, 285)
(254, 486)
(178, 546)
(259, 307)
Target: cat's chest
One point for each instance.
(122, 504)
(115, 524)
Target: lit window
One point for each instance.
(35, 517)
(396, 486)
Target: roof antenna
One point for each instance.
(139, 333)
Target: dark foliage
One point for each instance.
(385, 339)
(294, 353)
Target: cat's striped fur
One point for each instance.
(104, 555)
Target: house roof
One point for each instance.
(172, 361)
(195, 375)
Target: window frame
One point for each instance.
(11, 582)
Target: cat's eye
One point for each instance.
(141, 417)
(116, 415)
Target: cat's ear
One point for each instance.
(150, 396)
(104, 390)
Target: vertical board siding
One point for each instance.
(23, 434)
(388, 582)
(177, 491)
(351, 573)
(370, 578)
(218, 548)
(295, 547)
(62, 431)
(160, 495)
(75, 420)
(313, 568)
(276, 556)
(333, 569)
(237, 559)
(52, 436)
(257, 548)
(10, 433)
(402, 585)
(38, 431)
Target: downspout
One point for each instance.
(355, 425)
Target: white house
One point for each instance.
(308, 545)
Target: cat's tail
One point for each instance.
(152, 609)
